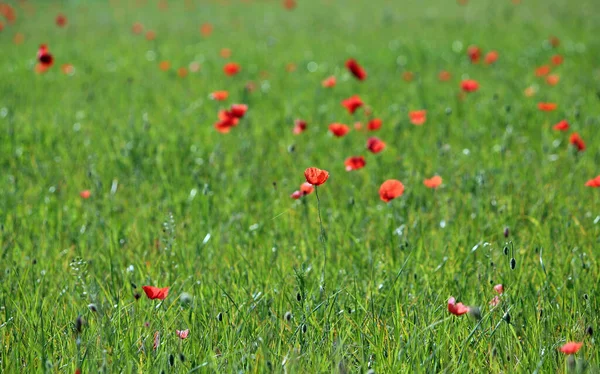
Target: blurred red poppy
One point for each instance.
(225, 52)
(137, 28)
(499, 288)
(150, 35)
(182, 333)
(231, 68)
(182, 72)
(469, 85)
(408, 76)
(444, 76)
(417, 117)
(164, 65)
(556, 59)
(491, 57)
(375, 145)
(352, 103)
(576, 141)
(61, 20)
(390, 189)
(306, 188)
(595, 182)
(457, 308)
(219, 95)
(374, 124)
(474, 53)
(329, 82)
(553, 79)
(571, 348)
(85, 194)
(433, 182)
(155, 292)
(8, 12)
(299, 126)
(356, 70)
(224, 125)
(296, 195)
(238, 110)
(206, 29)
(44, 57)
(316, 176)
(542, 71)
(289, 4)
(355, 163)
(554, 41)
(338, 129)
(561, 126)
(547, 107)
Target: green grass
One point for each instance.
(175, 203)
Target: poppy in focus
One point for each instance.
(576, 141)
(356, 70)
(571, 348)
(155, 292)
(355, 163)
(547, 107)
(390, 189)
(374, 124)
(455, 308)
(375, 145)
(329, 82)
(417, 117)
(561, 126)
(469, 85)
(352, 103)
(299, 126)
(338, 129)
(316, 176)
(433, 182)
(231, 68)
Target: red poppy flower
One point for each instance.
(238, 110)
(390, 189)
(206, 29)
(357, 126)
(408, 76)
(44, 57)
(499, 288)
(374, 124)
(433, 182)
(226, 122)
(299, 126)
(137, 28)
(316, 176)
(561, 126)
(542, 71)
(553, 79)
(67, 69)
(595, 182)
(571, 348)
(547, 107)
(155, 292)
(576, 140)
(556, 59)
(164, 65)
(85, 194)
(329, 82)
(61, 20)
(182, 333)
(495, 301)
(8, 12)
(306, 188)
(375, 145)
(444, 76)
(469, 85)
(219, 95)
(455, 308)
(296, 195)
(356, 69)
(417, 117)
(352, 103)
(338, 129)
(554, 41)
(231, 68)
(150, 35)
(491, 57)
(182, 72)
(474, 53)
(355, 163)
(289, 4)
(225, 52)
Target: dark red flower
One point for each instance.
(390, 189)
(316, 176)
(44, 57)
(352, 103)
(576, 140)
(238, 110)
(299, 126)
(231, 68)
(374, 124)
(469, 85)
(338, 129)
(561, 126)
(355, 163)
(155, 292)
(356, 69)
(61, 20)
(375, 145)
(474, 53)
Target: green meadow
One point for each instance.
(114, 177)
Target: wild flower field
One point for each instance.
(309, 186)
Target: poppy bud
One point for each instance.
(171, 360)
(79, 324)
(93, 308)
(506, 232)
(506, 250)
(137, 296)
(287, 316)
(513, 263)
(220, 317)
(506, 317)
(304, 328)
(589, 331)
(298, 296)
(181, 357)
(34, 261)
